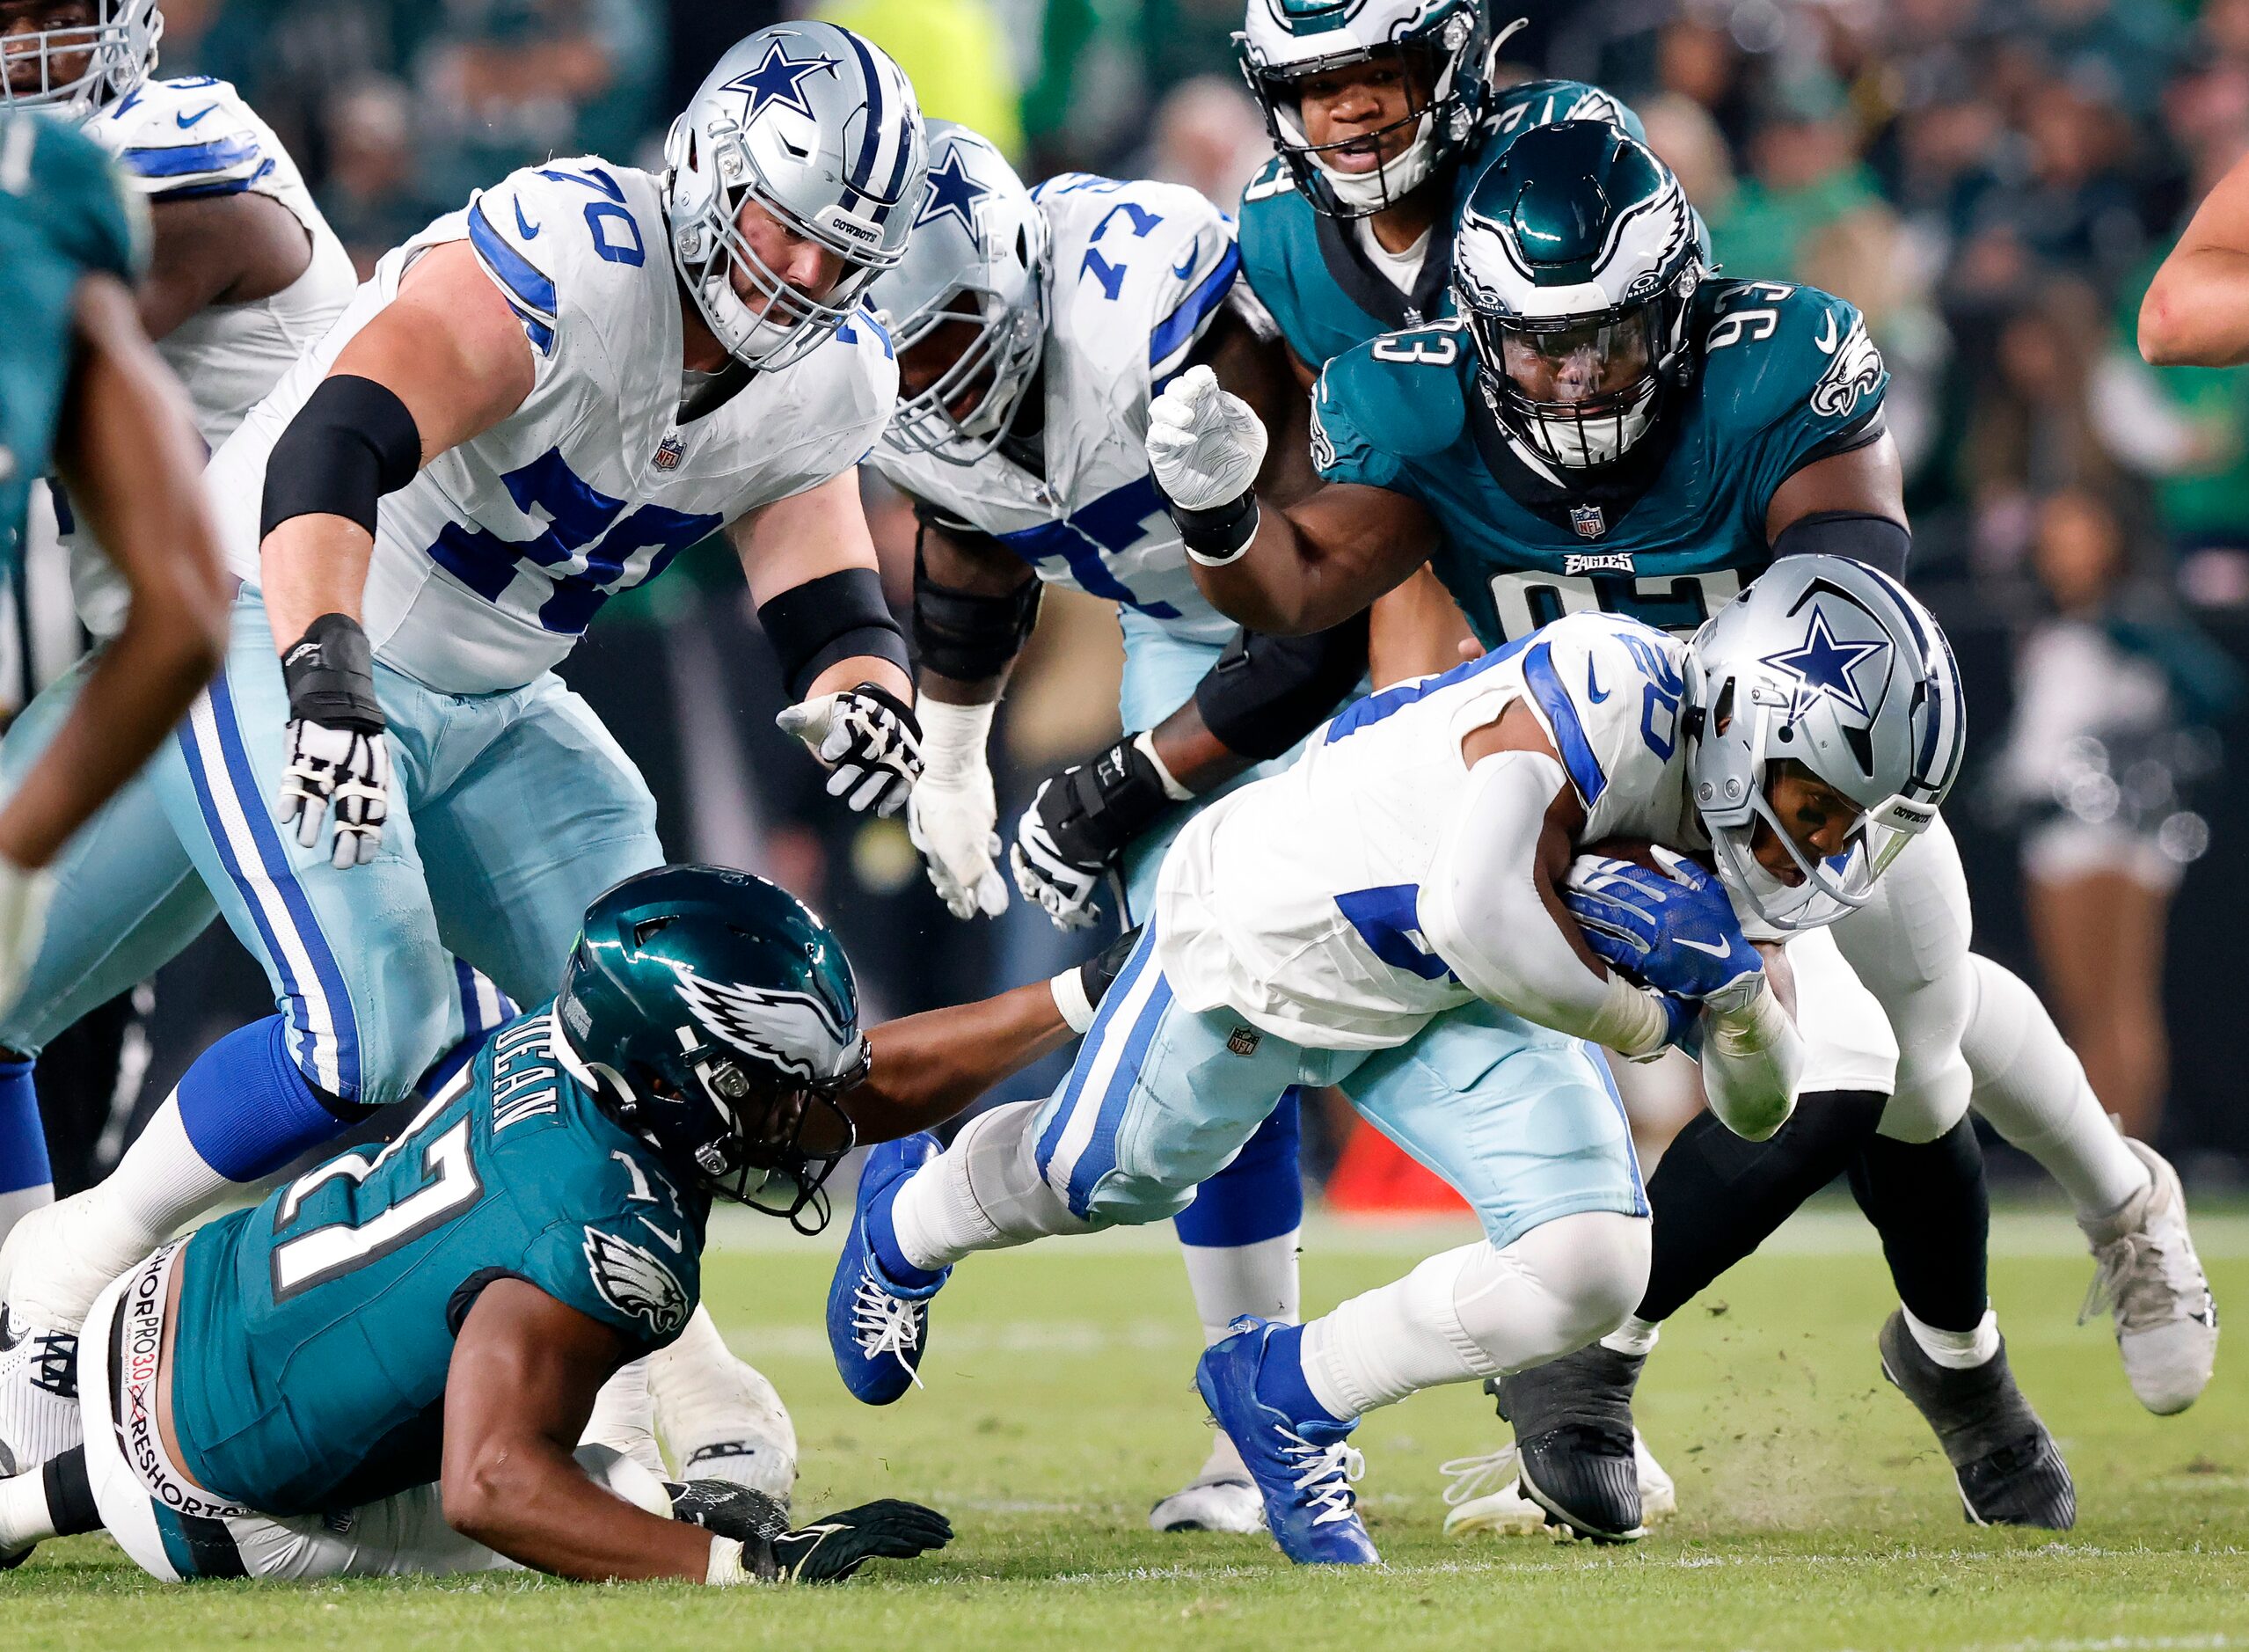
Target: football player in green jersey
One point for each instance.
(1607, 426)
(83, 393)
(388, 1366)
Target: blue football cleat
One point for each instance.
(876, 1328)
(1304, 1470)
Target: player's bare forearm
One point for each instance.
(524, 1372)
(807, 537)
(2196, 312)
(1416, 630)
(310, 566)
(132, 464)
(1319, 562)
(1194, 756)
(928, 1067)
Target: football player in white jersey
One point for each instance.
(534, 403)
(1386, 915)
(1032, 328)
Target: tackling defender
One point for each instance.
(534, 403)
(385, 1368)
(1599, 392)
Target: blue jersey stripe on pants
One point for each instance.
(1120, 990)
(242, 825)
(1099, 1156)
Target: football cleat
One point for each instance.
(2010, 1473)
(724, 1420)
(2148, 1276)
(1573, 1441)
(1486, 1494)
(1228, 1504)
(1303, 1469)
(11, 1559)
(39, 1391)
(877, 1328)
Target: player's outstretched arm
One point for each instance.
(445, 360)
(1849, 504)
(2196, 312)
(128, 454)
(974, 604)
(812, 571)
(218, 249)
(524, 1372)
(1288, 570)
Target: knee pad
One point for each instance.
(1932, 1077)
(1563, 1285)
(1918, 925)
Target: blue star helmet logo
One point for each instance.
(952, 193)
(1823, 665)
(778, 82)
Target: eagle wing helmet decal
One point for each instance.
(794, 1031)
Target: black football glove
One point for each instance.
(1077, 828)
(339, 762)
(749, 1517)
(830, 1551)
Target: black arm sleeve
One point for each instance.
(1879, 542)
(1266, 693)
(967, 635)
(351, 442)
(833, 618)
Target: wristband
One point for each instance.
(726, 1569)
(1144, 743)
(1218, 537)
(1070, 1002)
(1629, 1021)
(954, 738)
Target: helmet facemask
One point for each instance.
(83, 69)
(996, 368)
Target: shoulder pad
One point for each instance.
(1608, 688)
(564, 233)
(185, 137)
(1544, 102)
(1274, 180)
(1410, 386)
(1773, 351)
(1140, 269)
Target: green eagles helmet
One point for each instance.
(1443, 45)
(1575, 267)
(715, 1017)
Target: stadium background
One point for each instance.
(1991, 183)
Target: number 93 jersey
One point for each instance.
(314, 1334)
(1788, 376)
(1296, 900)
(490, 564)
(1137, 272)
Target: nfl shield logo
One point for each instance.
(1587, 519)
(1244, 1041)
(671, 447)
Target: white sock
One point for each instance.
(937, 1219)
(2031, 1086)
(1635, 1335)
(1231, 1280)
(1477, 1311)
(60, 1257)
(722, 1420)
(20, 1203)
(24, 1516)
(983, 1193)
(624, 1418)
(1956, 1350)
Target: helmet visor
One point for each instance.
(1579, 389)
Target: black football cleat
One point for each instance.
(2009, 1471)
(1572, 1420)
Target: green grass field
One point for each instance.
(1816, 1511)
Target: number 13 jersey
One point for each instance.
(490, 564)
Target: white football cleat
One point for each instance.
(1211, 1505)
(39, 1391)
(2150, 1277)
(720, 1416)
(1486, 1495)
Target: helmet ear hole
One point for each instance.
(647, 930)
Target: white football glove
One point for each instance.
(24, 896)
(342, 769)
(952, 817)
(868, 740)
(1204, 443)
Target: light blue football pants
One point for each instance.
(1523, 1123)
(509, 813)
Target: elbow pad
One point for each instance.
(1266, 693)
(351, 442)
(1879, 542)
(1751, 1059)
(968, 637)
(1482, 913)
(833, 618)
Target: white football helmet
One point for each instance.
(83, 69)
(820, 128)
(1832, 664)
(978, 255)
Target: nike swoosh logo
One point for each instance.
(1185, 267)
(530, 231)
(1703, 947)
(9, 1335)
(678, 1245)
(1827, 343)
(186, 119)
(1594, 691)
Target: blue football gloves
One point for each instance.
(1673, 929)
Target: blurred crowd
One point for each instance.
(1992, 181)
